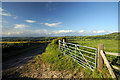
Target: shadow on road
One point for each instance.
(11, 65)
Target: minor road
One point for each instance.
(19, 60)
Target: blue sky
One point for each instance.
(41, 19)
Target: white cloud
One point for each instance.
(100, 31)
(81, 31)
(1, 9)
(53, 24)
(4, 13)
(49, 33)
(15, 33)
(55, 32)
(62, 31)
(7, 31)
(65, 31)
(45, 31)
(30, 21)
(20, 26)
(27, 32)
(15, 17)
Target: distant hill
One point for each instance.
(106, 36)
(27, 38)
(110, 36)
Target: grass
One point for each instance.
(110, 41)
(62, 62)
(54, 56)
(109, 45)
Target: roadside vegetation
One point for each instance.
(16, 46)
(62, 63)
(58, 62)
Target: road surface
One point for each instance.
(11, 65)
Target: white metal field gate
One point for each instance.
(85, 56)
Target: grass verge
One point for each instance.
(61, 62)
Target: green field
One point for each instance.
(20, 42)
(109, 41)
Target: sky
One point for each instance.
(46, 19)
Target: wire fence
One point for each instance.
(84, 56)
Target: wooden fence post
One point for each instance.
(59, 44)
(108, 65)
(99, 57)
